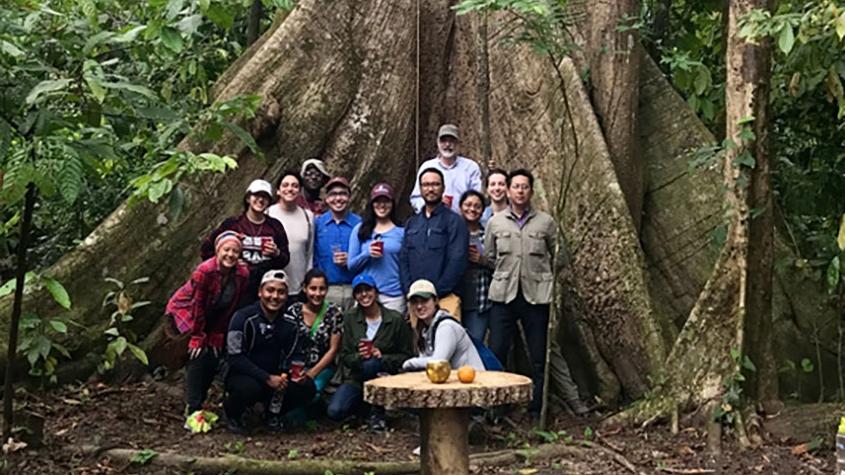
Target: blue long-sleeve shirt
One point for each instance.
(327, 234)
(435, 248)
(385, 270)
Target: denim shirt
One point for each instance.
(434, 248)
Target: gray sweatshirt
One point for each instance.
(453, 344)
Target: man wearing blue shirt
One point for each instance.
(436, 243)
(459, 173)
(331, 241)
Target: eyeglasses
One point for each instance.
(521, 187)
(431, 184)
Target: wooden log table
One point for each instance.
(445, 410)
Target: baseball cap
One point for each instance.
(275, 275)
(318, 164)
(448, 129)
(422, 288)
(260, 186)
(381, 189)
(337, 181)
(363, 279)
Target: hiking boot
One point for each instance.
(578, 407)
(275, 423)
(377, 423)
(236, 425)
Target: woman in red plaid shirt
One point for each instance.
(202, 308)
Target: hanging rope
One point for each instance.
(417, 103)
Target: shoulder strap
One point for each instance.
(437, 324)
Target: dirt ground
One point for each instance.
(147, 415)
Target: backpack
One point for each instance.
(488, 358)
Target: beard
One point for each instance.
(445, 153)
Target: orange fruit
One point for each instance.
(466, 374)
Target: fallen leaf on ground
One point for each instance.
(528, 471)
(13, 445)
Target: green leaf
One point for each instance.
(112, 331)
(840, 26)
(242, 134)
(786, 39)
(10, 49)
(220, 15)
(95, 40)
(96, 87)
(10, 284)
(143, 457)
(189, 24)
(57, 290)
(71, 177)
(128, 86)
(59, 326)
(172, 39)
(840, 239)
(46, 87)
(173, 8)
(139, 354)
(129, 35)
(702, 80)
(832, 275)
(807, 365)
(118, 346)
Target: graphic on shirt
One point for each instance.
(252, 249)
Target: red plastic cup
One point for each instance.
(447, 200)
(380, 246)
(297, 370)
(265, 243)
(366, 345)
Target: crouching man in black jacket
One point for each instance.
(264, 359)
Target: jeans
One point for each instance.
(244, 391)
(476, 323)
(341, 295)
(349, 396)
(199, 374)
(535, 322)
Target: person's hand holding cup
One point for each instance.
(377, 249)
(269, 247)
(297, 371)
(339, 257)
(365, 348)
(474, 255)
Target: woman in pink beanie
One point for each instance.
(202, 308)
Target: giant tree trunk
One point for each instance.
(733, 311)
(612, 54)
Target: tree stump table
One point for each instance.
(445, 410)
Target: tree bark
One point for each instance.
(612, 52)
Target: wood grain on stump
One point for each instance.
(444, 448)
(414, 390)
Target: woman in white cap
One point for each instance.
(265, 243)
(374, 247)
(201, 309)
(438, 335)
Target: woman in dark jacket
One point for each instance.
(375, 340)
(202, 308)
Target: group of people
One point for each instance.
(303, 295)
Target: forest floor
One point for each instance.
(146, 415)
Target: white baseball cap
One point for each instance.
(260, 186)
(422, 288)
(276, 276)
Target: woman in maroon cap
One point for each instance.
(374, 246)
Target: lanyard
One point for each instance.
(319, 319)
